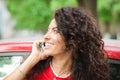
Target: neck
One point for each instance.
(62, 64)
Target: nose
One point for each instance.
(47, 36)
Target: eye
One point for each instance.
(55, 30)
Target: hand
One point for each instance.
(37, 52)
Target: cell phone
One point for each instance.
(42, 45)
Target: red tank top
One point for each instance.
(49, 74)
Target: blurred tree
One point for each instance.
(55, 4)
(30, 14)
(35, 14)
(90, 4)
(109, 12)
(0, 25)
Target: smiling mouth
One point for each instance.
(48, 44)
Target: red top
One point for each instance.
(48, 74)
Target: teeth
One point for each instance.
(48, 44)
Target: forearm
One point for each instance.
(20, 72)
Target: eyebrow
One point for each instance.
(52, 28)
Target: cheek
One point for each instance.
(60, 43)
(59, 39)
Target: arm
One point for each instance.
(20, 72)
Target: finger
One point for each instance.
(37, 43)
(41, 41)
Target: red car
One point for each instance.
(13, 53)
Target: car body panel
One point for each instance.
(113, 51)
(15, 46)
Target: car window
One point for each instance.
(9, 61)
(115, 69)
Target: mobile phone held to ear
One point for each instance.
(42, 45)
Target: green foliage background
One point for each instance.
(108, 10)
(35, 14)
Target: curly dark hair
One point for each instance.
(82, 35)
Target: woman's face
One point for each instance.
(54, 43)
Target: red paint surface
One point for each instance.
(112, 50)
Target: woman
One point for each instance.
(73, 50)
